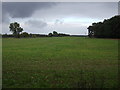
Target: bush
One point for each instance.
(24, 34)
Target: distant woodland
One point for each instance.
(109, 28)
(27, 35)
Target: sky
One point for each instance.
(64, 17)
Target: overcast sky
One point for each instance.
(66, 17)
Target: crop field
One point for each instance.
(59, 62)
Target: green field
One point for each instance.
(60, 62)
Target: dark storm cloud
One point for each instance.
(57, 15)
(24, 9)
(87, 9)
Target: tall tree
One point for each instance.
(15, 29)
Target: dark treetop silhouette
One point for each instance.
(109, 28)
(15, 29)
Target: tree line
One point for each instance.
(24, 35)
(109, 28)
(27, 35)
(17, 32)
(55, 34)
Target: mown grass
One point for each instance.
(60, 62)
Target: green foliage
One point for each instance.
(50, 34)
(33, 35)
(66, 62)
(55, 33)
(15, 29)
(109, 28)
(24, 34)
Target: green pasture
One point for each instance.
(59, 62)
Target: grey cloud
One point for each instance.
(24, 9)
(5, 18)
(119, 7)
(36, 23)
(83, 9)
(93, 10)
(0, 11)
(56, 12)
(59, 21)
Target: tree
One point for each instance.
(15, 29)
(24, 34)
(50, 34)
(90, 31)
(55, 33)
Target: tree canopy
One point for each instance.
(15, 29)
(56, 34)
(109, 28)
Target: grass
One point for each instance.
(60, 62)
